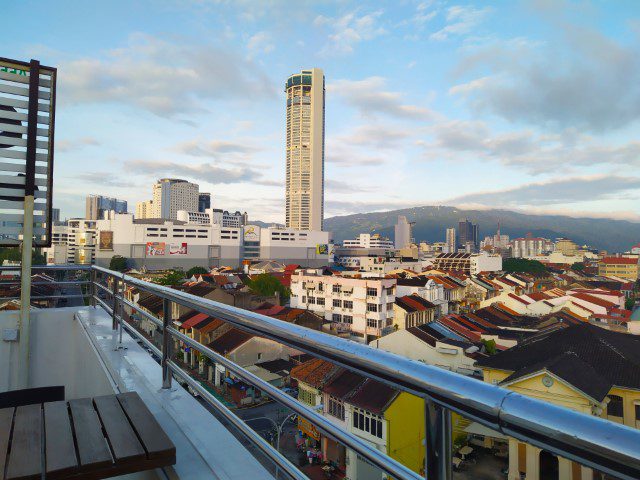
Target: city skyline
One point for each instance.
(424, 92)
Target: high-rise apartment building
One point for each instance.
(204, 202)
(451, 240)
(144, 209)
(169, 196)
(96, 205)
(305, 150)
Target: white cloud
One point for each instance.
(260, 43)
(71, 145)
(370, 97)
(460, 20)
(349, 30)
(169, 79)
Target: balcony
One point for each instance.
(93, 350)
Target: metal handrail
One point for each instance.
(595, 442)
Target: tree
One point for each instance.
(629, 303)
(578, 266)
(524, 266)
(174, 277)
(118, 263)
(196, 271)
(13, 254)
(490, 347)
(266, 285)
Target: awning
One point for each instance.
(476, 429)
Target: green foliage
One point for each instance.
(523, 265)
(174, 277)
(196, 271)
(266, 285)
(490, 347)
(118, 263)
(14, 254)
(629, 303)
(578, 266)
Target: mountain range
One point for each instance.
(431, 223)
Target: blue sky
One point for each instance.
(530, 106)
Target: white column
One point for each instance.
(533, 463)
(587, 473)
(514, 470)
(565, 468)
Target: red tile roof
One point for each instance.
(619, 261)
(229, 341)
(595, 300)
(373, 396)
(315, 372)
(191, 322)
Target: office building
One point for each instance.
(402, 231)
(55, 215)
(97, 205)
(566, 246)
(451, 240)
(623, 267)
(468, 234)
(204, 202)
(144, 209)
(530, 246)
(214, 216)
(305, 150)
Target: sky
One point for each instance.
(525, 105)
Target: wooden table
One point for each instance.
(90, 438)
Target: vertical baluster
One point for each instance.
(114, 312)
(166, 343)
(93, 278)
(437, 442)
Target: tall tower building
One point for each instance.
(96, 205)
(171, 195)
(402, 231)
(451, 240)
(468, 234)
(305, 150)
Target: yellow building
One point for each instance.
(578, 367)
(623, 267)
(567, 247)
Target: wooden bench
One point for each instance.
(90, 438)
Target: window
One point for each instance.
(390, 291)
(336, 317)
(347, 319)
(304, 299)
(389, 306)
(320, 301)
(367, 422)
(371, 292)
(312, 300)
(348, 304)
(372, 323)
(637, 412)
(336, 289)
(615, 406)
(372, 307)
(307, 397)
(336, 408)
(337, 303)
(259, 356)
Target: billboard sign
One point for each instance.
(105, 240)
(322, 249)
(251, 233)
(178, 249)
(155, 249)
(27, 120)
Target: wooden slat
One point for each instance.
(123, 441)
(93, 451)
(155, 441)
(60, 451)
(6, 419)
(25, 458)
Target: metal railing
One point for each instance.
(605, 446)
(54, 283)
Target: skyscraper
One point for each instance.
(96, 205)
(204, 202)
(468, 234)
(173, 194)
(451, 240)
(305, 150)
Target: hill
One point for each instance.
(432, 221)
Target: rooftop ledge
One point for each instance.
(76, 347)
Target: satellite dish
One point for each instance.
(9, 122)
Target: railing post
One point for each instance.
(93, 278)
(437, 442)
(114, 306)
(166, 343)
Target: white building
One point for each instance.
(305, 150)
(402, 232)
(74, 243)
(527, 247)
(470, 263)
(169, 196)
(161, 244)
(366, 240)
(361, 306)
(214, 217)
(451, 240)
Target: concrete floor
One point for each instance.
(487, 467)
